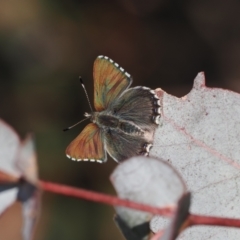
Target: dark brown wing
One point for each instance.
(139, 105)
(121, 146)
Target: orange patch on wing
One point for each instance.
(109, 82)
(88, 145)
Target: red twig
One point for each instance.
(103, 198)
(193, 219)
(216, 221)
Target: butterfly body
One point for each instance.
(124, 122)
(107, 122)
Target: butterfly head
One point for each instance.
(87, 115)
(93, 116)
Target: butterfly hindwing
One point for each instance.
(139, 105)
(121, 146)
(110, 80)
(88, 145)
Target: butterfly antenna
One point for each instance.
(83, 86)
(68, 128)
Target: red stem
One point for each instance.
(115, 201)
(103, 198)
(216, 221)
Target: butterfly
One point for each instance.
(124, 121)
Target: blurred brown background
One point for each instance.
(46, 44)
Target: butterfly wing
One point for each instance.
(139, 105)
(88, 145)
(110, 80)
(121, 146)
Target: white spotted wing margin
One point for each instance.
(88, 145)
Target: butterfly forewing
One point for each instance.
(88, 145)
(110, 80)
